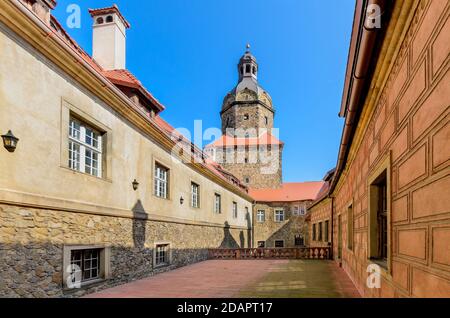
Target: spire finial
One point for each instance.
(248, 47)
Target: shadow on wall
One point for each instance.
(140, 217)
(296, 225)
(228, 239)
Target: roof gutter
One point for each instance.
(361, 55)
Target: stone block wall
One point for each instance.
(320, 213)
(271, 231)
(33, 240)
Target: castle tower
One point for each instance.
(248, 106)
(248, 149)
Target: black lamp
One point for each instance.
(135, 185)
(181, 200)
(10, 141)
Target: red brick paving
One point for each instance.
(214, 279)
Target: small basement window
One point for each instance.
(162, 256)
(279, 243)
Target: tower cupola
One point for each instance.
(248, 67)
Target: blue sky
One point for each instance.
(186, 51)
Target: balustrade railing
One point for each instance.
(321, 253)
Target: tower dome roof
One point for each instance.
(247, 88)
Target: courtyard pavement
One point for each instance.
(242, 278)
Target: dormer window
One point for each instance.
(100, 20)
(109, 19)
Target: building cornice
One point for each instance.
(43, 39)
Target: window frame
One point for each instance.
(326, 231)
(263, 243)
(168, 254)
(68, 110)
(235, 210)
(383, 167)
(104, 263)
(263, 213)
(80, 165)
(277, 241)
(350, 227)
(195, 197)
(276, 219)
(314, 231)
(158, 181)
(320, 228)
(217, 204)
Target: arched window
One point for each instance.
(247, 68)
(100, 20)
(254, 70)
(109, 19)
(242, 70)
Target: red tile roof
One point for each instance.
(113, 9)
(265, 139)
(125, 78)
(289, 192)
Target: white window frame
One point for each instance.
(161, 184)
(296, 211)
(276, 215)
(217, 203)
(235, 210)
(79, 140)
(260, 213)
(168, 256)
(302, 210)
(195, 195)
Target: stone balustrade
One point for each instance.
(320, 253)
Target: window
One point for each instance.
(195, 195)
(109, 19)
(299, 240)
(326, 231)
(254, 70)
(296, 211)
(350, 227)
(161, 182)
(217, 204)
(379, 219)
(302, 210)
(279, 216)
(261, 216)
(235, 210)
(247, 180)
(320, 232)
(247, 69)
(314, 232)
(85, 148)
(100, 20)
(162, 254)
(85, 264)
(266, 120)
(246, 117)
(279, 243)
(261, 244)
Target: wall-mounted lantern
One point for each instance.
(135, 185)
(181, 200)
(10, 141)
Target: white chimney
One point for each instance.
(109, 38)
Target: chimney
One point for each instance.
(109, 38)
(42, 8)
